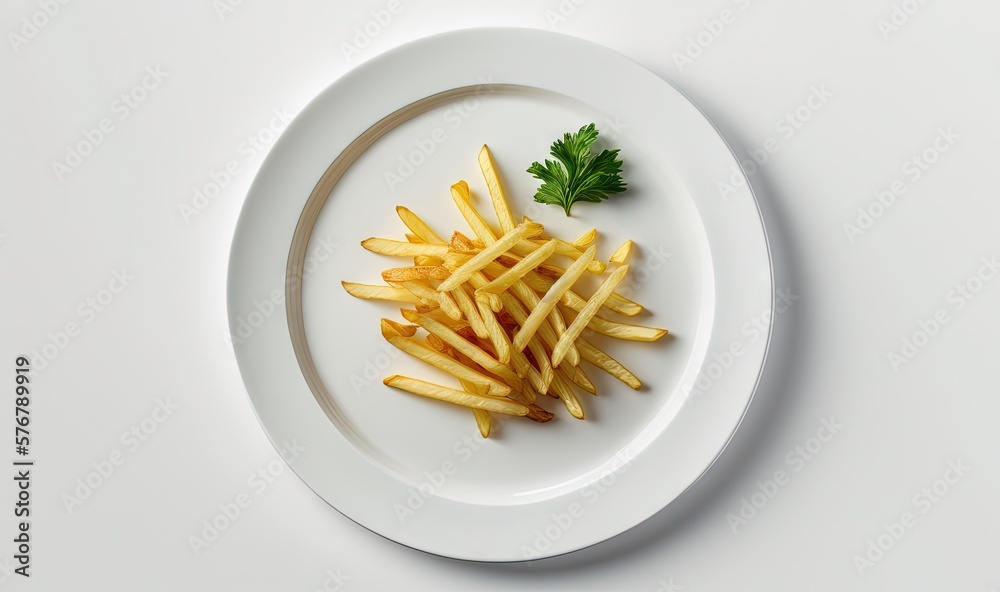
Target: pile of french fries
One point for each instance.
(500, 315)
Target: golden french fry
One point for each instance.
(483, 422)
(443, 393)
(524, 248)
(586, 314)
(427, 260)
(623, 330)
(443, 362)
(463, 200)
(562, 388)
(386, 246)
(605, 362)
(586, 238)
(479, 260)
(423, 307)
(534, 378)
(615, 302)
(517, 304)
(544, 365)
(623, 305)
(621, 253)
(437, 344)
(444, 299)
(462, 244)
(417, 272)
(533, 260)
(555, 320)
(371, 292)
(479, 280)
(495, 332)
(391, 328)
(489, 166)
(460, 344)
(551, 298)
(471, 312)
(580, 378)
(418, 226)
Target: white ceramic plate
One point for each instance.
(401, 128)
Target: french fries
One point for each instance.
(551, 298)
(586, 314)
(621, 253)
(443, 393)
(502, 317)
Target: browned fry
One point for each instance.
(416, 272)
(462, 244)
(537, 413)
(392, 328)
(427, 260)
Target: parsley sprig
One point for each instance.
(577, 174)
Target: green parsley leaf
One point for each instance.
(577, 174)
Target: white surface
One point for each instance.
(163, 336)
(374, 454)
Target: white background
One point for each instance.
(164, 336)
